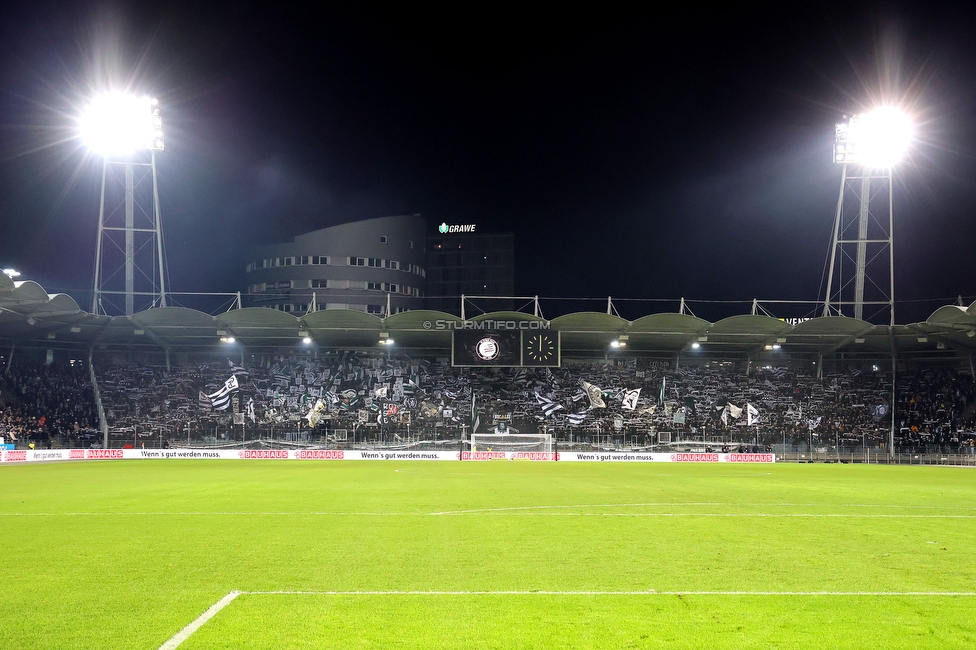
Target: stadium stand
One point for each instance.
(46, 402)
(371, 399)
(817, 383)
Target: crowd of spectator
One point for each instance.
(393, 398)
(40, 403)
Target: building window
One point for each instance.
(382, 239)
(394, 265)
(374, 286)
(374, 309)
(357, 261)
(320, 284)
(409, 244)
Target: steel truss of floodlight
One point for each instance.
(130, 272)
(861, 271)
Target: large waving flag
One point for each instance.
(576, 419)
(475, 417)
(314, 414)
(752, 415)
(220, 399)
(548, 406)
(595, 395)
(629, 401)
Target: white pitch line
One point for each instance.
(773, 515)
(185, 633)
(646, 592)
(672, 504)
(214, 609)
(503, 512)
(213, 514)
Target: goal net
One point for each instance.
(541, 442)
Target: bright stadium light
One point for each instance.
(126, 131)
(118, 123)
(878, 139)
(867, 147)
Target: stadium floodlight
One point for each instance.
(861, 257)
(307, 340)
(118, 123)
(878, 139)
(123, 128)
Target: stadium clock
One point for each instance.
(540, 348)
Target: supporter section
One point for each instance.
(398, 401)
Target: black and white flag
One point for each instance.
(220, 399)
(595, 395)
(629, 401)
(576, 419)
(752, 415)
(548, 406)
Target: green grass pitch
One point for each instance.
(125, 554)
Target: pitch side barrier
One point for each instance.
(43, 455)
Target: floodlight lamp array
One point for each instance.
(878, 139)
(118, 123)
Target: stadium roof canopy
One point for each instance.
(31, 317)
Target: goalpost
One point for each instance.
(536, 442)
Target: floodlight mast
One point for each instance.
(129, 260)
(867, 147)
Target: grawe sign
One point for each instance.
(444, 228)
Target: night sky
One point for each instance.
(639, 155)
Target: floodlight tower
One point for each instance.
(866, 147)
(126, 131)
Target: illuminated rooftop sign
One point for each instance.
(444, 228)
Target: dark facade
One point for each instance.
(363, 265)
(471, 264)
